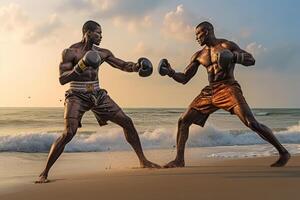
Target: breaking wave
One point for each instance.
(161, 138)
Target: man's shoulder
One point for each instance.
(227, 44)
(68, 52)
(196, 55)
(75, 46)
(71, 49)
(103, 51)
(222, 40)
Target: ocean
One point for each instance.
(33, 130)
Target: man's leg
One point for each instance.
(58, 146)
(244, 113)
(184, 123)
(132, 138)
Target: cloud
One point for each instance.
(43, 30)
(12, 17)
(111, 8)
(256, 49)
(143, 49)
(16, 22)
(126, 9)
(279, 58)
(133, 25)
(132, 14)
(179, 24)
(77, 5)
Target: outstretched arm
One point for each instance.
(120, 64)
(66, 68)
(187, 75)
(240, 56)
(181, 77)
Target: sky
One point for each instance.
(34, 33)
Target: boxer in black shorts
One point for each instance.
(79, 67)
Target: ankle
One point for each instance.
(178, 159)
(283, 151)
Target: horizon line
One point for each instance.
(144, 107)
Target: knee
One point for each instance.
(180, 121)
(66, 137)
(127, 122)
(253, 124)
(183, 122)
(70, 131)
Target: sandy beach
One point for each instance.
(248, 178)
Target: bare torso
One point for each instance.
(73, 54)
(208, 58)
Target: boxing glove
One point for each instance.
(225, 58)
(145, 67)
(90, 59)
(164, 68)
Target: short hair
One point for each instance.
(208, 26)
(89, 26)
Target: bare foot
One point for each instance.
(283, 159)
(175, 163)
(148, 164)
(43, 179)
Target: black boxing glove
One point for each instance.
(145, 67)
(164, 68)
(90, 59)
(225, 58)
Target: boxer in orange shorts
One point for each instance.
(219, 57)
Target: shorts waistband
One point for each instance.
(228, 81)
(85, 86)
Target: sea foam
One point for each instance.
(161, 138)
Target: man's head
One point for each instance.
(204, 31)
(92, 32)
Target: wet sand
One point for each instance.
(249, 178)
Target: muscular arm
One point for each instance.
(120, 64)
(66, 68)
(241, 56)
(189, 72)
